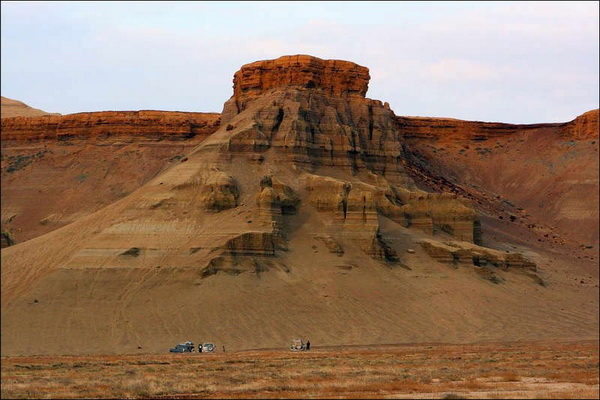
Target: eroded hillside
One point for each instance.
(56, 169)
(303, 215)
(536, 183)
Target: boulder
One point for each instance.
(218, 192)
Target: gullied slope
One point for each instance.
(15, 108)
(80, 163)
(297, 217)
(541, 178)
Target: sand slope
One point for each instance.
(15, 108)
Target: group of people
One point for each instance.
(300, 345)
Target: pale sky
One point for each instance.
(510, 62)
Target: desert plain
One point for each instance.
(526, 370)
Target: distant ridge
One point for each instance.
(16, 108)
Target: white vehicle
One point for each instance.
(298, 345)
(206, 348)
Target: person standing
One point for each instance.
(308, 345)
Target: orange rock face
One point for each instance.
(455, 129)
(157, 125)
(583, 127)
(335, 77)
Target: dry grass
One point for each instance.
(517, 370)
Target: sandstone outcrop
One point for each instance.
(233, 265)
(458, 253)
(312, 115)
(335, 77)
(353, 214)
(277, 197)
(252, 251)
(435, 212)
(585, 126)
(218, 192)
(357, 206)
(328, 194)
(130, 125)
(251, 244)
(311, 128)
(449, 129)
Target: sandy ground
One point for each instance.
(543, 369)
(333, 300)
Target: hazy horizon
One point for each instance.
(507, 62)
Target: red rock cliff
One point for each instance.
(456, 129)
(334, 76)
(330, 77)
(447, 129)
(155, 125)
(583, 127)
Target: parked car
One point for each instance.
(186, 347)
(206, 348)
(297, 345)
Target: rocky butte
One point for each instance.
(311, 211)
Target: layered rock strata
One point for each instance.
(458, 253)
(325, 124)
(291, 111)
(455, 129)
(583, 127)
(294, 214)
(334, 77)
(218, 191)
(132, 125)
